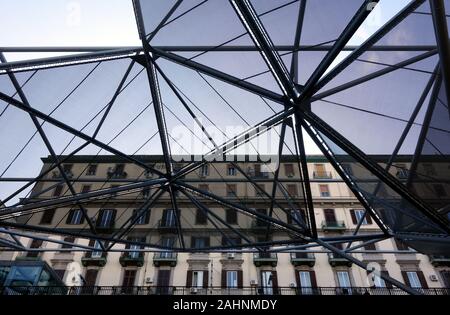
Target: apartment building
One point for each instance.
(211, 265)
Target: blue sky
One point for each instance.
(111, 23)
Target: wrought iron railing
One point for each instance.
(170, 290)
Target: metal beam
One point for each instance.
(443, 42)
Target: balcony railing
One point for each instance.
(337, 260)
(438, 261)
(165, 259)
(302, 259)
(261, 259)
(170, 290)
(322, 175)
(333, 225)
(93, 261)
(132, 259)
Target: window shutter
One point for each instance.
(82, 219)
(388, 284)
(422, 280)
(207, 242)
(240, 279)
(189, 279)
(91, 244)
(352, 213)
(368, 218)
(205, 279)
(113, 217)
(224, 279)
(100, 216)
(297, 278)
(147, 216)
(312, 275)
(405, 278)
(275, 282)
(69, 217)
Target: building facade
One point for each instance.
(337, 212)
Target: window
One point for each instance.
(92, 170)
(47, 216)
(168, 219)
(197, 279)
(68, 239)
(231, 190)
(204, 187)
(231, 216)
(305, 282)
(231, 170)
(378, 282)
(58, 190)
(439, 190)
(201, 217)
(75, 217)
(413, 279)
(230, 241)
(134, 253)
(85, 188)
(145, 192)
(232, 279)
(330, 216)
(260, 222)
(324, 191)
(167, 242)
(320, 171)
(402, 171)
(34, 244)
(143, 218)
(200, 242)
(67, 168)
(106, 218)
(129, 277)
(370, 246)
(289, 170)
(400, 245)
(292, 190)
(97, 253)
(204, 170)
(429, 169)
(359, 214)
(347, 169)
(90, 277)
(294, 216)
(343, 279)
(260, 192)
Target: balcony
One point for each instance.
(303, 259)
(171, 290)
(88, 261)
(336, 260)
(28, 258)
(322, 175)
(166, 227)
(165, 259)
(265, 259)
(132, 259)
(333, 226)
(440, 261)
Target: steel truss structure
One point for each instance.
(397, 207)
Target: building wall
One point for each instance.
(340, 198)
